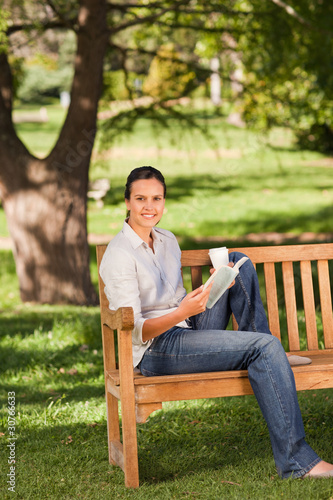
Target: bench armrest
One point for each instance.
(121, 319)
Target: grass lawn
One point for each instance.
(51, 356)
(252, 187)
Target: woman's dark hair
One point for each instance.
(141, 173)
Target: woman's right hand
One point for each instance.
(192, 304)
(195, 302)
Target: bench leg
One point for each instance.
(113, 424)
(130, 444)
(124, 454)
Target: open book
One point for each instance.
(223, 276)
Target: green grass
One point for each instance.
(51, 356)
(227, 184)
(262, 189)
(40, 137)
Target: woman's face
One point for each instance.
(146, 204)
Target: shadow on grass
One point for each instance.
(218, 448)
(173, 444)
(315, 222)
(70, 388)
(225, 177)
(24, 324)
(176, 443)
(228, 434)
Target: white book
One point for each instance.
(222, 278)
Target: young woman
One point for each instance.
(174, 332)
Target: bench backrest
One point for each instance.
(300, 267)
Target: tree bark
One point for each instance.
(45, 201)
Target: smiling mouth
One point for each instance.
(148, 216)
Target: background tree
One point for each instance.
(287, 57)
(45, 200)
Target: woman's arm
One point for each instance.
(193, 303)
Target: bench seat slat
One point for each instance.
(320, 359)
(231, 383)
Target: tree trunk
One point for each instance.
(45, 201)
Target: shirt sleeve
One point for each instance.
(118, 271)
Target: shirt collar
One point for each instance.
(134, 238)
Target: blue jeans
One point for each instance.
(207, 346)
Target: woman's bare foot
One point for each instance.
(322, 469)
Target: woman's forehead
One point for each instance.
(147, 186)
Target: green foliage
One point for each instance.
(44, 75)
(289, 80)
(4, 16)
(118, 86)
(168, 78)
(40, 82)
(17, 69)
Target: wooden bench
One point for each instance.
(294, 265)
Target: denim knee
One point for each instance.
(236, 256)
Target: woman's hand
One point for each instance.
(195, 301)
(192, 304)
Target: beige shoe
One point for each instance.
(295, 360)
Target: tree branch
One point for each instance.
(181, 7)
(32, 26)
(204, 9)
(292, 12)
(140, 20)
(66, 22)
(197, 27)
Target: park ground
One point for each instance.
(236, 186)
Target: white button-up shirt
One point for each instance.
(150, 282)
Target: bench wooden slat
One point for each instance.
(191, 258)
(271, 298)
(321, 360)
(325, 302)
(309, 304)
(290, 304)
(194, 389)
(157, 389)
(196, 276)
(291, 253)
